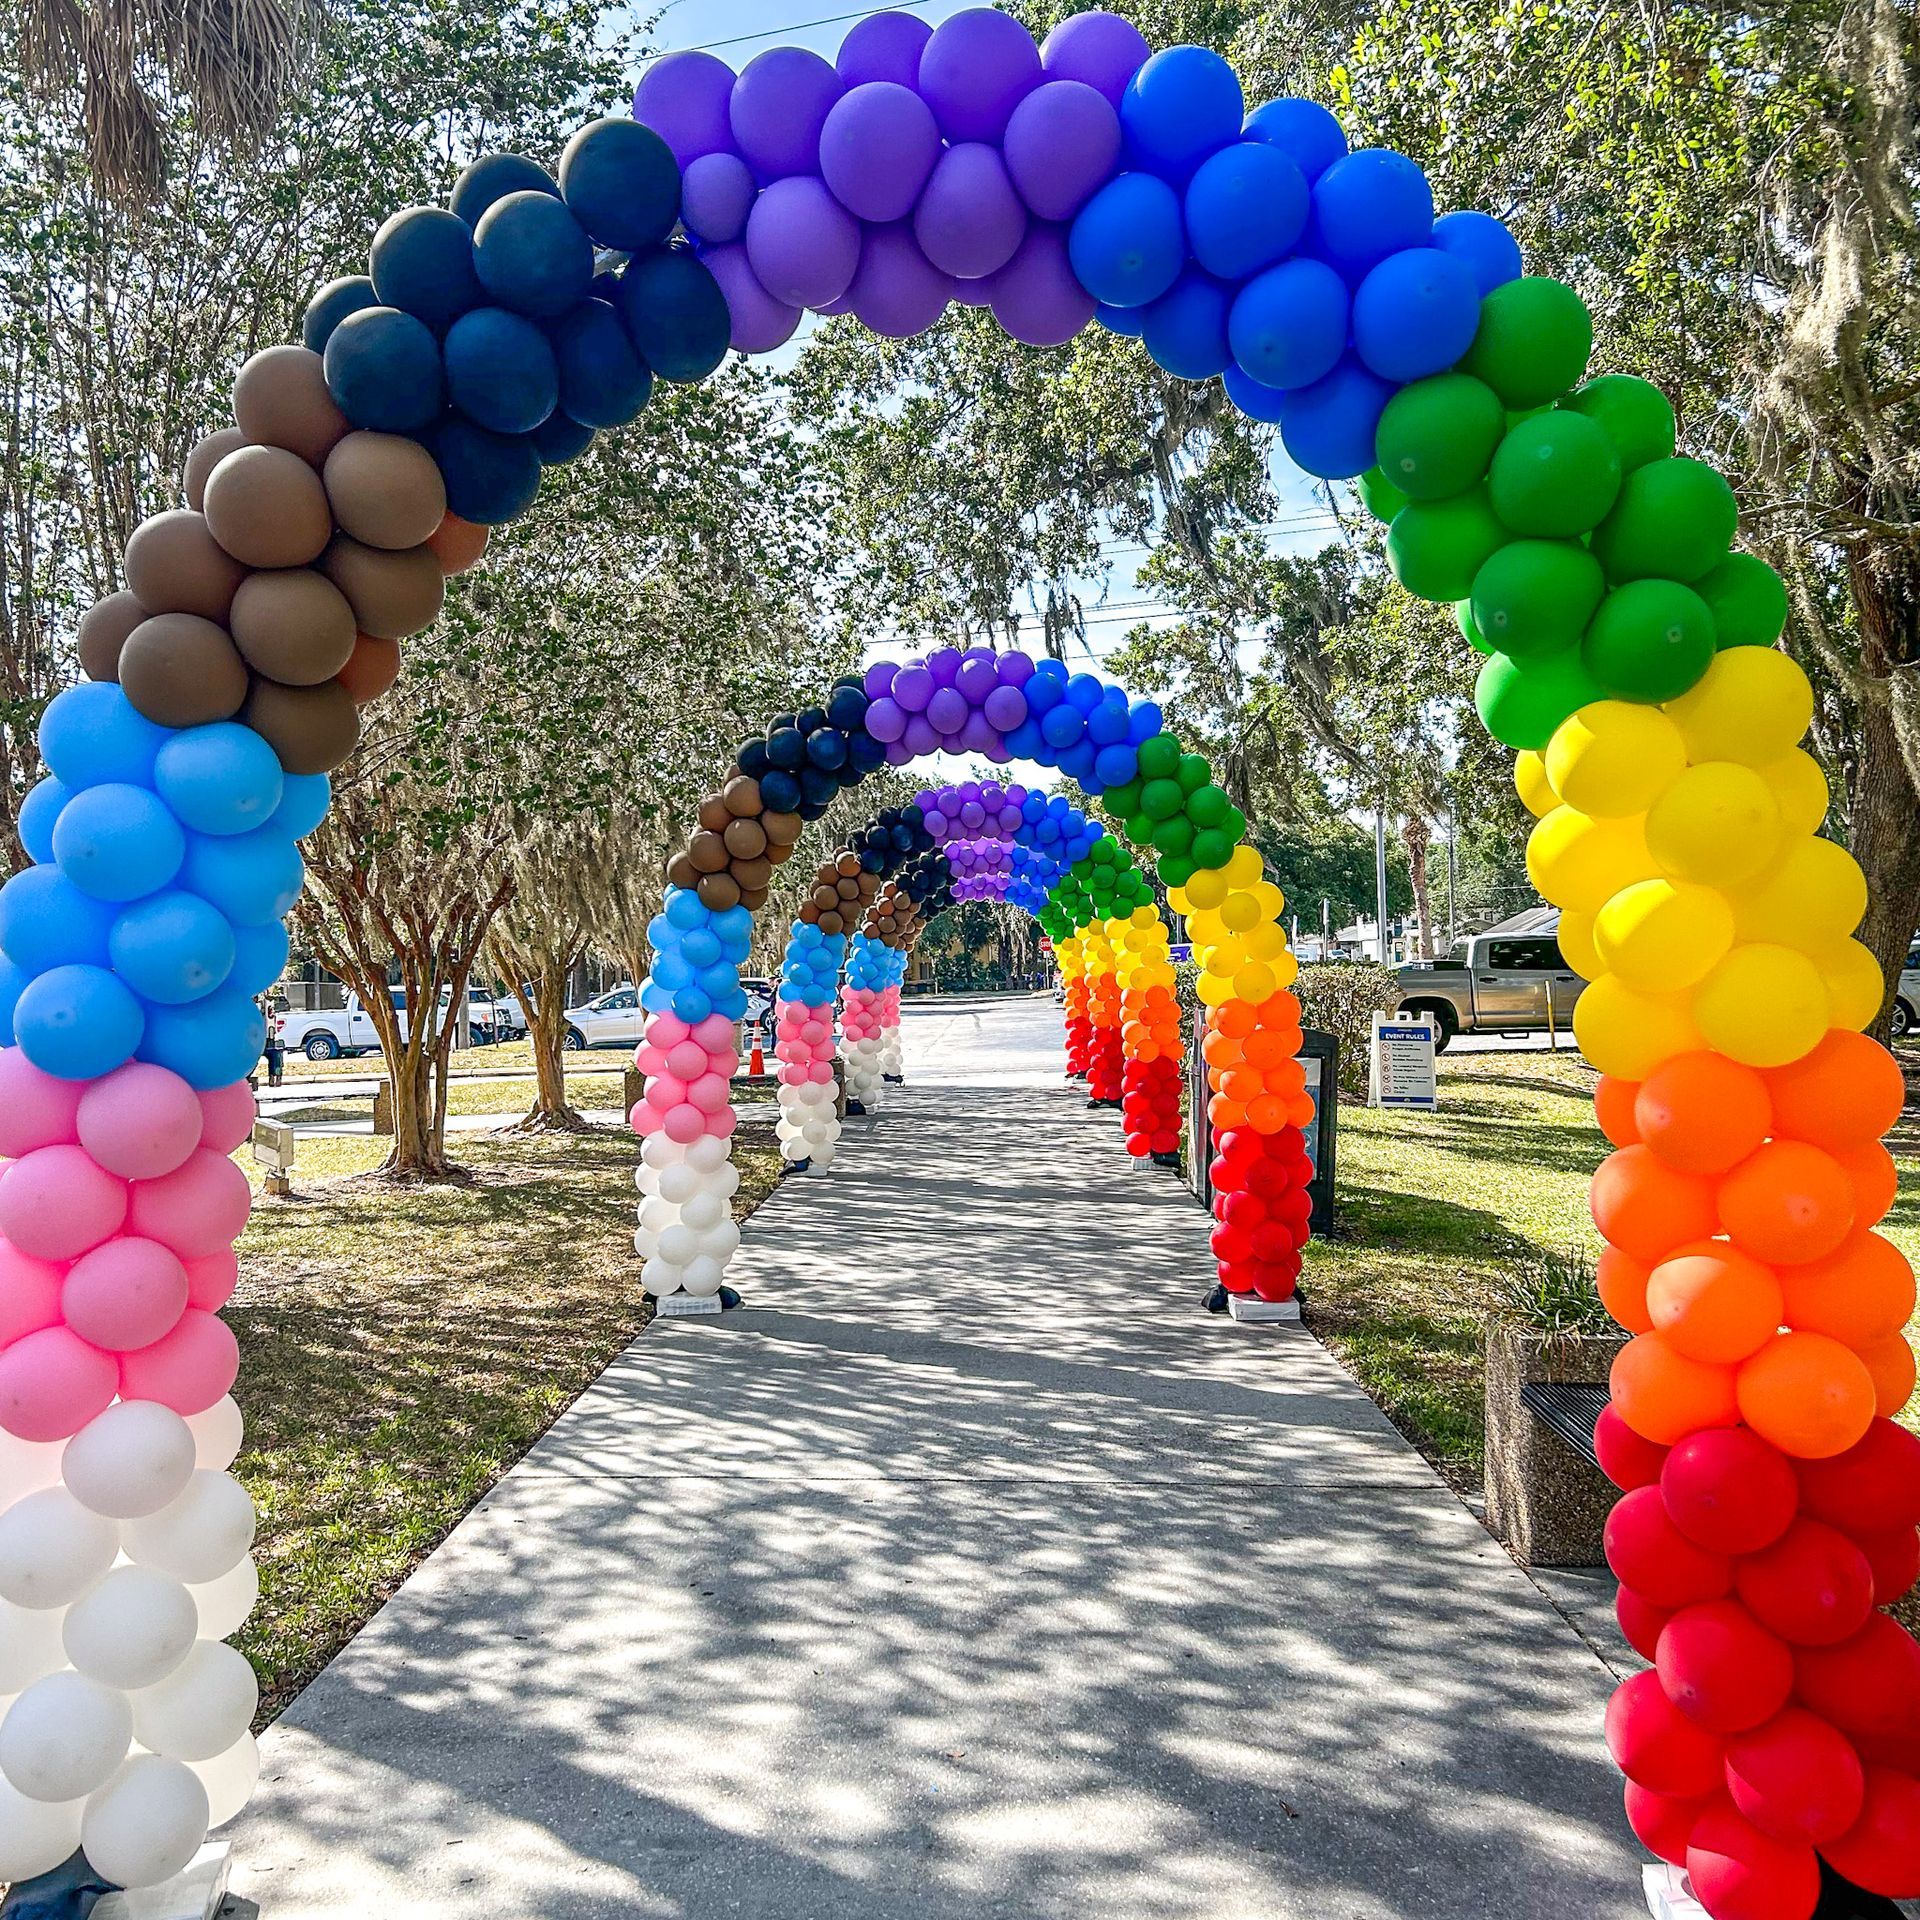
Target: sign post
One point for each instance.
(1400, 1072)
(273, 1149)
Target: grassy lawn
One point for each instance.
(402, 1346)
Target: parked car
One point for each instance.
(1906, 995)
(1503, 983)
(344, 1033)
(614, 1018)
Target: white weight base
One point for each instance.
(1252, 1307)
(681, 1306)
(194, 1894)
(1669, 1897)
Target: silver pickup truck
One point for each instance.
(1502, 983)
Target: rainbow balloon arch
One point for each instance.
(1770, 1500)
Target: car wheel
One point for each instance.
(573, 1041)
(321, 1046)
(1902, 1019)
(1446, 1023)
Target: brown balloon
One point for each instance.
(392, 595)
(372, 669)
(682, 873)
(832, 923)
(104, 628)
(718, 891)
(778, 854)
(266, 506)
(751, 874)
(783, 829)
(312, 729)
(280, 399)
(202, 461)
(847, 863)
(713, 814)
(810, 914)
(746, 839)
(753, 898)
(293, 625)
(743, 797)
(708, 852)
(385, 490)
(182, 671)
(174, 565)
(825, 899)
(847, 887)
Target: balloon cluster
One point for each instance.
(982, 869)
(869, 1010)
(1094, 1045)
(1173, 805)
(1149, 1032)
(1031, 878)
(1104, 884)
(809, 1124)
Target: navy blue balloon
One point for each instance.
(259, 958)
(1125, 321)
(532, 255)
(622, 182)
(304, 799)
(492, 177)
(1288, 328)
(1416, 313)
(560, 438)
(331, 305)
(38, 811)
(1180, 106)
(1328, 428)
(1127, 243)
(1245, 209)
(77, 1023)
(221, 778)
(46, 921)
(208, 1043)
(490, 477)
(501, 372)
(118, 841)
(780, 790)
(1303, 130)
(787, 748)
(1369, 205)
(1254, 400)
(422, 262)
(1482, 244)
(866, 754)
(91, 734)
(846, 707)
(383, 370)
(1185, 330)
(603, 381)
(752, 758)
(251, 877)
(675, 312)
(173, 947)
(827, 748)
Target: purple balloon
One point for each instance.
(969, 220)
(977, 677)
(973, 815)
(877, 146)
(1005, 708)
(1100, 49)
(760, 322)
(944, 664)
(777, 108)
(683, 98)
(920, 737)
(934, 821)
(803, 243)
(978, 734)
(897, 291)
(1037, 297)
(716, 195)
(1016, 669)
(973, 293)
(898, 753)
(1062, 146)
(913, 687)
(886, 720)
(883, 46)
(947, 710)
(976, 69)
(878, 679)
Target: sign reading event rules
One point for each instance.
(1400, 1073)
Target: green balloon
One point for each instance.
(1124, 799)
(1435, 547)
(1554, 476)
(1673, 521)
(1194, 772)
(1651, 640)
(1176, 869)
(1436, 436)
(1173, 836)
(1140, 827)
(1213, 847)
(1379, 495)
(1104, 851)
(1535, 597)
(1634, 414)
(1534, 338)
(1469, 627)
(1160, 799)
(1207, 806)
(1159, 757)
(1234, 826)
(1521, 705)
(1747, 599)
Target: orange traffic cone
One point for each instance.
(757, 1061)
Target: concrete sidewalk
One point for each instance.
(970, 1571)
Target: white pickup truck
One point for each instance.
(337, 1033)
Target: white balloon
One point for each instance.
(202, 1707)
(146, 1823)
(823, 1154)
(225, 1603)
(132, 1629)
(229, 1779)
(708, 1152)
(64, 1736)
(198, 1536)
(660, 1277)
(679, 1184)
(657, 1212)
(130, 1460)
(643, 1242)
(26, 1466)
(721, 1242)
(658, 1151)
(641, 1174)
(726, 1180)
(703, 1275)
(704, 1210)
(678, 1244)
(35, 1835)
(29, 1645)
(217, 1434)
(52, 1549)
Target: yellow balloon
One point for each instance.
(1763, 1005)
(1613, 758)
(1145, 916)
(1243, 867)
(1286, 969)
(1628, 1034)
(1812, 895)
(1207, 886)
(1659, 937)
(1213, 990)
(1204, 926)
(1856, 988)
(1273, 903)
(1266, 941)
(1530, 782)
(1751, 705)
(1717, 824)
(1241, 911)
(1799, 789)
(1575, 934)
(1255, 981)
(1579, 862)
(1229, 956)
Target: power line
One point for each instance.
(773, 33)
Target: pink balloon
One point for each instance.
(821, 1073)
(226, 1116)
(722, 1124)
(189, 1370)
(211, 1279)
(199, 1208)
(687, 1061)
(56, 1202)
(650, 1059)
(125, 1294)
(36, 1110)
(685, 1124)
(29, 1294)
(667, 1092)
(713, 1033)
(664, 1029)
(141, 1121)
(52, 1383)
(708, 1093)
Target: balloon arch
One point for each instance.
(1770, 1500)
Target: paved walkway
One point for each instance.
(970, 1571)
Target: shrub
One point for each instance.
(1553, 1293)
(1341, 997)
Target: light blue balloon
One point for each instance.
(46, 921)
(685, 909)
(304, 800)
(220, 779)
(701, 947)
(732, 1004)
(118, 842)
(692, 1005)
(259, 958)
(173, 947)
(91, 734)
(13, 982)
(672, 970)
(38, 811)
(77, 1023)
(208, 1043)
(733, 923)
(251, 877)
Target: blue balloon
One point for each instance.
(603, 382)
(492, 177)
(208, 1043)
(304, 799)
(46, 921)
(732, 1004)
(1288, 328)
(221, 778)
(560, 438)
(532, 255)
(13, 983)
(622, 182)
(1254, 400)
(1025, 742)
(1125, 321)
(91, 734)
(671, 970)
(1126, 245)
(692, 1005)
(675, 312)
(1144, 720)
(117, 842)
(252, 878)
(655, 999)
(490, 477)
(38, 811)
(1062, 726)
(1077, 764)
(1114, 766)
(1185, 330)
(1369, 205)
(331, 305)
(1180, 106)
(1416, 313)
(1246, 209)
(501, 372)
(1328, 428)
(1044, 692)
(1303, 130)
(77, 1023)
(1107, 723)
(1482, 245)
(383, 370)
(422, 263)
(686, 910)
(702, 946)
(259, 958)
(173, 947)
(1085, 691)
(717, 980)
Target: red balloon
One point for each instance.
(1796, 1778)
(1628, 1459)
(1895, 1560)
(1740, 1873)
(1813, 1586)
(1656, 1745)
(1728, 1490)
(1662, 1821)
(1721, 1667)
(1881, 1851)
(1874, 1485)
(1868, 1686)
(1650, 1554)
(1640, 1620)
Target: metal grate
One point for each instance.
(1570, 1409)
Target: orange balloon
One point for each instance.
(1613, 1108)
(1875, 1180)
(1712, 1303)
(1663, 1396)
(1300, 1109)
(1889, 1363)
(1810, 1396)
(1622, 1282)
(1241, 1084)
(1235, 1017)
(1787, 1202)
(1860, 1293)
(1848, 1089)
(1267, 1047)
(1220, 1049)
(457, 543)
(372, 667)
(1267, 1113)
(1225, 1114)
(1642, 1204)
(1702, 1112)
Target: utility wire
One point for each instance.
(773, 33)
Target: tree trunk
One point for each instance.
(551, 1111)
(1416, 836)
